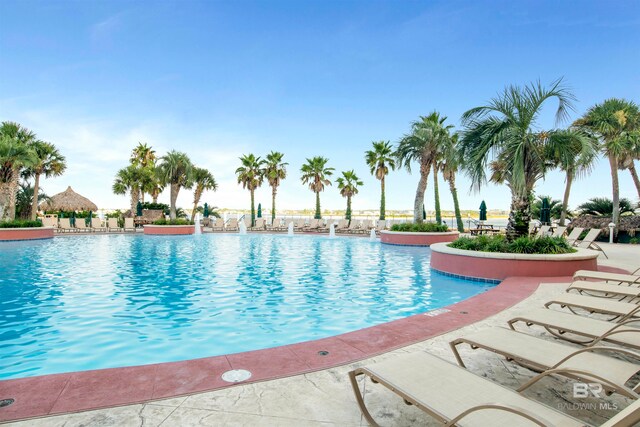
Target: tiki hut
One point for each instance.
(69, 201)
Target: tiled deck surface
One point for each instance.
(314, 398)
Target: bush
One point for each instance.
(173, 222)
(19, 223)
(634, 241)
(521, 245)
(425, 227)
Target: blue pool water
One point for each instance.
(77, 303)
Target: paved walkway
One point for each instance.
(325, 398)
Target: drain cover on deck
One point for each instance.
(236, 376)
(6, 402)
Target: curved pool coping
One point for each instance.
(25, 233)
(86, 390)
(411, 238)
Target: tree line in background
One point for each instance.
(500, 142)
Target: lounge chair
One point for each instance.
(543, 231)
(81, 225)
(553, 358)
(453, 395)
(589, 331)
(299, 224)
(559, 231)
(605, 290)
(260, 226)
(96, 225)
(65, 225)
(112, 225)
(630, 279)
(275, 225)
(589, 241)
(354, 227)
(619, 310)
(324, 226)
(49, 222)
(312, 226)
(218, 225)
(575, 234)
(343, 224)
(381, 225)
(232, 225)
(129, 224)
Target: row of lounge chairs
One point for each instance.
(454, 396)
(63, 225)
(314, 225)
(588, 242)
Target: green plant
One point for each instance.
(316, 173)
(156, 206)
(634, 241)
(420, 227)
(275, 171)
(379, 160)
(178, 221)
(251, 176)
(19, 223)
(603, 206)
(521, 245)
(348, 185)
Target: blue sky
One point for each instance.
(218, 79)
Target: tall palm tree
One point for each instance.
(507, 128)
(48, 162)
(174, 170)
(348, 185)
(251, 176)
(315, 173)
(449, 165)
(576, 162)
(15, 154)
(143, 155)
(422, 145)
(603, 206)
(24, 200)
(203, 180)
(128, 180)
(275, 171)
(379, 160)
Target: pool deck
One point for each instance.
(299, 395)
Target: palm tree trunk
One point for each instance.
(36, 191)
(634, 176)
(5, 197)
(253, 210)
(615, 186)
(154, 195)
(274, 190)
(456, 205)
(318, 214)
(135, 196)
(565, 199)
(382, 200)
(347, 215)
(519, 216)
(12, 190)
(196, 199)
(436, 193)
(422, 187)
(173, 199)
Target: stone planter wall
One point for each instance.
(166, 230)
(416, 239)
(499, 266)
(31, 233)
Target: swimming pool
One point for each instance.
(91, 302)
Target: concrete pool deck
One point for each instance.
(324, 397)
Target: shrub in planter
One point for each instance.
(18, 223)
(425, 227)
(521, 245)
(173, 222)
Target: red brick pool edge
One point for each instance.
(80, 391)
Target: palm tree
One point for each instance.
(555, 207)
(48, 162)
(251, 176)
(128, 180)
(379, 160)
(143, 155)
(348, 185)
(422, 145)
(603, 206)
(576, 162)
(275, 171)
(15, 154)
(203, 180)
(174, 170)
(615, 124)
(315, 173)
(507, 128)
(24, 200)
(449, 165)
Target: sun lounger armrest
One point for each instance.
(536, 419)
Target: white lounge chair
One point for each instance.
(543, 231)
(631, 279)
(232, 225)
(260, 226)
(619, 310)
(96, 225)
(559, 231)
(112, 225)
(129, 225)
(218, 225)
(605, 290)
(65, 225)
(589, 241)
(575, 234)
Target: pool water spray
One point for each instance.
(332, 230)
(242, 227)
(290, 229)
(372, 235)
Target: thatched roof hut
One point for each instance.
(69, 201)
(628, 223)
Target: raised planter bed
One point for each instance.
(169, 229)
(30, 233)
(407, 238)
(499, 266)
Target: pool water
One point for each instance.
(90, 302)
